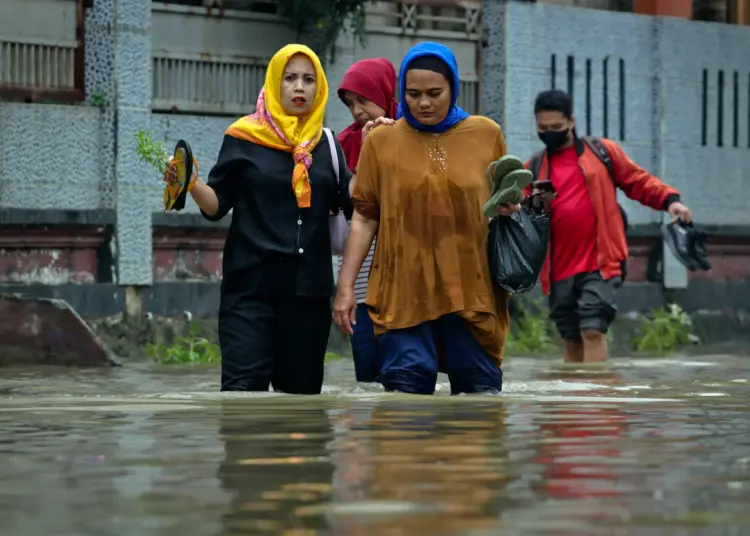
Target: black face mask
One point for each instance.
(554, 139)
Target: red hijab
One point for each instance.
(375, 80)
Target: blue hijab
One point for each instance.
(443, 53)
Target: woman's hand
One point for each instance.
(374, 124)
(170, 176)
(507, 210)
(345, 310)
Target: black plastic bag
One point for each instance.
(517, 248)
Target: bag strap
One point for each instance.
(334, 152)
(600, 150)
(535, 164)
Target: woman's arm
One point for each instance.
(364, 225)
(362, 231)
(205, 197)
(217, 197)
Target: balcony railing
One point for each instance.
(221, 67)
(36, 64)
(219, 85)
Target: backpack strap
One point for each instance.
(600, 150)
(535, 164)
(334, 152)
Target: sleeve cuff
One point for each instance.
(369, 210)
(222, 209)
(671, 198)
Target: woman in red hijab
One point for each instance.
(368, 90)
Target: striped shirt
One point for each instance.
(360, 283)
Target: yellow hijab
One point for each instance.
(272, 127)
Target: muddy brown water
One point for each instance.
(637, 447)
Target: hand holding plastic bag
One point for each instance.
(517, 248)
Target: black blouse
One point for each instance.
(256, 182)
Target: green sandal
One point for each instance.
(499, 169)
(510, 178)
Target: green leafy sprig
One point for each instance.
(151, 152)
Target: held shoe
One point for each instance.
(185, 166)
(679, 239)
(699, 252)
(497, 170)
(510, 191)
(508, 187)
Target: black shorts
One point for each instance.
(584, 301)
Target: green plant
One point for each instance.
(98, 99)
(326, 19)
(151, 152)
(193, 348)
(664, 330)
(532, 333)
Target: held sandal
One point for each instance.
(175, 193)
(510, 178)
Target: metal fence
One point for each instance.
(222, 68)
(41, 50)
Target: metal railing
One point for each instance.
(220, 85)
(216, 77)
(39, 69)
(425, 19)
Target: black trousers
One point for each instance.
(268, 335)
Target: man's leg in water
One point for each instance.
(563, 311)
(597, 309)
(469, 367)
(573, 351)
(409, 360)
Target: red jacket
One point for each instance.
(637, 183)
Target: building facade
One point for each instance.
(81, 218)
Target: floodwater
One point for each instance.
(638, 447)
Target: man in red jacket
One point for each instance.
(587, 248)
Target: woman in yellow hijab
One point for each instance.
(276, 171)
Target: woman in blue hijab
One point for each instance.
(437, 59)
(420, 185)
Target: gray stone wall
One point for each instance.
(50, 156)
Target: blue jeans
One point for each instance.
(410, 360)
(365, 348)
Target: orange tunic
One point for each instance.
(427, 192)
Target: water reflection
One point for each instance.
(275, 460)
(580, 449)
(433, 469)
(360, 469)
(640, 447)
